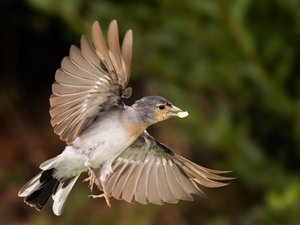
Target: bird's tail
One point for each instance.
(38, 190)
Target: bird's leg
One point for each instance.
(106, 170)
(92, 179)
(104, 194)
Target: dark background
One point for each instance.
(234, 65)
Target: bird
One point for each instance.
(108, 139)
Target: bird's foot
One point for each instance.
(103, 195)
(92, 179)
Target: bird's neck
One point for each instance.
(132, 122)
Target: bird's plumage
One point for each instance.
(39, 189)
(148, 171)
(109, 139)
(91, 79)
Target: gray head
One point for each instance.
(153, 109)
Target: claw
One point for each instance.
(91, 183)
(103, 195)
(92, 179)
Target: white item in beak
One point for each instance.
(182, 114)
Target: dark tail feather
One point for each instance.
(40, 189)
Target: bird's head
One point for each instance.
(153, 109)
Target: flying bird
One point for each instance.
(107, 138)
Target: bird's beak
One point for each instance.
(175, 111)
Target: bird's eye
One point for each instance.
(161, 107)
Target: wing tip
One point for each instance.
(96, 23)
(113, 22)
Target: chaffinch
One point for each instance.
(107, 138)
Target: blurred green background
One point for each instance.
(234, 65)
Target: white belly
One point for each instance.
(111, 144)
(104, 141)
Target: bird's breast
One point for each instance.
(107, 139)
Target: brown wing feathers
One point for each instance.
(115, 60)
(127, 54)
(199, 174)
(146, 172)
(114, 49)
(90, 79)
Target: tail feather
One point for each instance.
(61, 194)
(30, 186)
(39, 198)
(48, 164)
(38, 190)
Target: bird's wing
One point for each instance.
(92, 78)
(148, 171)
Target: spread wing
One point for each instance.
(150, 172)
(92, 78)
